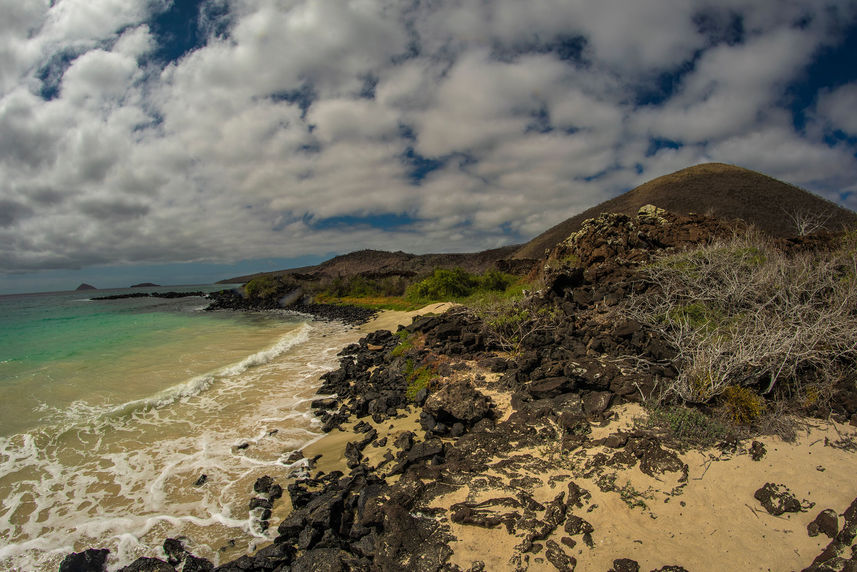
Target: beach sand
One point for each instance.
(331, 447)
(702, 518)
(711, 522)
(392, 319)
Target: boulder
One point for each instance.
(458, 402)
(92, 560)
(827, 523)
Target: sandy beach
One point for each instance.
(702, 516)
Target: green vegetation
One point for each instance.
(394, 293)
(743, 404)
(687, 425)
(456, 285)
(417, 378)
(371, 302)
(747, 320)
(407, 342)
(267, 286)
(358, 286)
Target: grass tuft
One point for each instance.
(687, 425)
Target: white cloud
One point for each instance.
(135, 42)
(731, 88)
(839, 108)
(779, 151)
(84, 22)
(98, 75)
(482, 101)
(244, 146)
(337, 119)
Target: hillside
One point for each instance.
(380, 264)
(725, 191)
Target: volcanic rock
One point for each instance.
(458, 402)
(92, 560)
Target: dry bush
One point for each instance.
(739, 312)
(511, 323)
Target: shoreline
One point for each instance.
(515, 485)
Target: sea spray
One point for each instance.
(121, 476)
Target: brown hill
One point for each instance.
(380, 264)
(724, 191)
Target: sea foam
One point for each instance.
(121, 476)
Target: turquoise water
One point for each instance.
(59, 349)
(110, 411)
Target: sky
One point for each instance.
(186, 141)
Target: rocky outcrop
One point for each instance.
(168, 295)
(86, 286)
(235, 300)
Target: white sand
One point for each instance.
(392, 319)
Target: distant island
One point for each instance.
(86, 286)
(145, 285)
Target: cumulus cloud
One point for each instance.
(307, 127)
(837, 108)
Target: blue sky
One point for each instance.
(179, 142)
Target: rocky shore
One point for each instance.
(449, 449)
(233, 300)
(167, 295)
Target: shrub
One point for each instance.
(687, 425)
(444, 284)
(740, 313)
(509, 323)
(743, 404)
(495, 281)
(358, 286)
(265, 287)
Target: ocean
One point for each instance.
(110, 411)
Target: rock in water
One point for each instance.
(86, 286)
(144, 564)
(91, 560)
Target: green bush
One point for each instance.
(687, 425)
(444, 284)
(264, 287)
(495, 281)
(510, 322)
(358, 286)
(458, 284)
(743, 404)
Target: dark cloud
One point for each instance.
(11, 212)
(155, 131)
(113, 210)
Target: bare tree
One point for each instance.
(806, 222)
